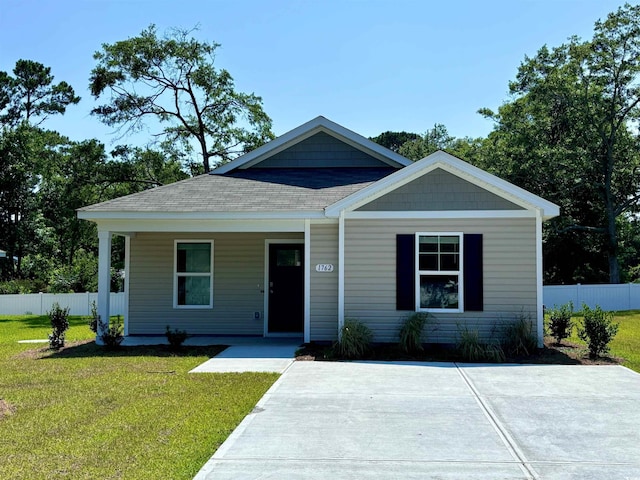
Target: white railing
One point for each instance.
(624, 296)
(41, 303)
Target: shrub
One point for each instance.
(59, 323)
(472, 349)
(111, 334)
(597, 330)
(560, 323)
(518, 337)
(412, 331)
(176, 337)
(355, 339)
(93, 319)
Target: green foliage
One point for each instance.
(598, 330)
(94, 318)
(472, 349)
(355, 339)
(412, 332)
(59, 318)
(173, 80)
(111, 334)
(176, 337)
(560, 322)
(394, 140)
(519, 337)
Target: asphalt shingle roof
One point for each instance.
(251, 190)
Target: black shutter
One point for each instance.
(405, 272)
(473, 291)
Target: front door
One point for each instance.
(286, 288)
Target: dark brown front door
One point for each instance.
(286, 288)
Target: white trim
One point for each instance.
(267, 242)
(439, 214)
(455, 166)
(269, 215)
(539, 289)
(341, 268)
(318, 124)
(195, 274)
(459, 272)
(307, 281)
(104, 279)
(204, 226)
(127, 274)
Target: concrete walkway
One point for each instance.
(275, 356)
(441, 420)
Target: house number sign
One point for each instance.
(324, 267)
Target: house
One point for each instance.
(320, 225)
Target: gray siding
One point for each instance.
(439, 190)
(321, 150)
(324, 286)
(238, 270)
(509, 274)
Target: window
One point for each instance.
(193, 280)
(439, 272)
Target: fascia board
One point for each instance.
(172, 216)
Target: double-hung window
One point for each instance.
(439, 270)
(193, 274)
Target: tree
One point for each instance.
(30, 94)
(394, 140)
(568, 134)
(173, 80)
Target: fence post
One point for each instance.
(578, 296)
(41, 304)
(629, 296)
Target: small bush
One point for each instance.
(93, 319)
(111, 334)
(597, 330)
(560, 322)
(176, 337)
(412, 331)
(355, 339)
(518, 337)
(472, 349)
(59, 323)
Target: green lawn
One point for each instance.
(88, 413)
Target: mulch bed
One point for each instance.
(565, 353)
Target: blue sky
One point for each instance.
(369, 65)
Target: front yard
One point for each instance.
(87, 413)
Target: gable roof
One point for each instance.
(455, 166)
(306, 130)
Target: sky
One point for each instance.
(371, 66)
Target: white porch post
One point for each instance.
(539, 290)
(104, 278)
(127, 259)
(307, 281)
(340, 273)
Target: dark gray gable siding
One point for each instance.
(318, 151)
(439, 190)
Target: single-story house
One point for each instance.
(319, 225)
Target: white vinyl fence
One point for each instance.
(624, 296)
(41, 303)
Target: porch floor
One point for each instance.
(204, 340)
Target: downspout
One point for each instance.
(340, 273)
(539, 290)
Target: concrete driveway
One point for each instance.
(358, 420)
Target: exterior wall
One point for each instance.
(324, 285)
(238, 277)
(509, 275)
(321, 150)
(439, 190)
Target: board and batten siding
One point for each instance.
(238, 280)
(324, 285)
(509, 274)
(439, 190)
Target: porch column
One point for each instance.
(340, 273)
(104, 278)
(127, 258)
(539, 290)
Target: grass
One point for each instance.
(136, 413)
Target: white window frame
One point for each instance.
(459, 273)
(176, 274)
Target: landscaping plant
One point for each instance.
(472, 349)
(412, 331)
(598, 329)
(176, 337)
(518, 337)
(93, 319)
(355, 339)
(111, 333)
(560, 323)
(59, 323)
